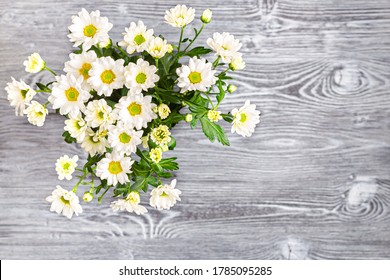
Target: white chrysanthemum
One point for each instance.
(36, 113)
(197, 75)
(114, 168)
(79, 66)
(161, 135)
(165, 196)
(68, 96)
(124, 139)
(136, 110)
(137, 37)
(99, 113)
(163, 111)
(89, 29)
(95, 142)
(214, 115)
(19, 93)
(157, 47)
(34, 63)
(76, 127)
(225, 46)
(106, 75)
(245, 119)
(130, 204)
(64, 201)
(141, 76)
(156, 154)
(65, 166)
(179, 16)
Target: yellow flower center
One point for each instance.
(66, 166)
(195, 77)
(139, 39)
(23, 93)
(243, 117)
(64, 200)
(124, 138)
(164, 194)
(140, 78)
(134, 109)
(107, 76)
(71, 94)
(90, 30)
(115, 167)
(84, 70)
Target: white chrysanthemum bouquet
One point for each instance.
(121, 102)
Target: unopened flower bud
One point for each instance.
(237, 64)
(206, 16)
(34, 63)
(231, 88)
(164, 148)
(105, 44)
(170, 48)
(88, 196)
(188, 117)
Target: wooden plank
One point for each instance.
(312, 183)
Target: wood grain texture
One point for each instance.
(312, 183)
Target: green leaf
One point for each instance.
(213, 131)
(172, 143)
(169, 163)
(221, 94)
(139, 183)
(227, 117)
(198, 51)
(68, 139)
(43, 87)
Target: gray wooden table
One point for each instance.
(312, 183)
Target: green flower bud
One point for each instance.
(88, 196)
(188, 117)
(206, 16)
(231, 88)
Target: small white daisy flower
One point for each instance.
(34, 63)
(157, 47)
(225, 45)
(123, 138)
(19, 93)
(76, 127)
(136, 110)
(245, 119)
(165, 196)
(95, 142)
(137, 37)
(114, 168)
(161, 135)
(197, 75)
(179, 16)
(79, 65)
(214, 115)
(130, 204)
(65, 166)
(89, 29)
(99, 113)
(141, 76)
(106, 75)
(68, 96)
(65, 202)
(163, 111)
(36, 113)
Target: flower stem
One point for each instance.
(51, 71)
(196, 36)
(79, 182)
(215, 63)
(181, 37)
(156, 62)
